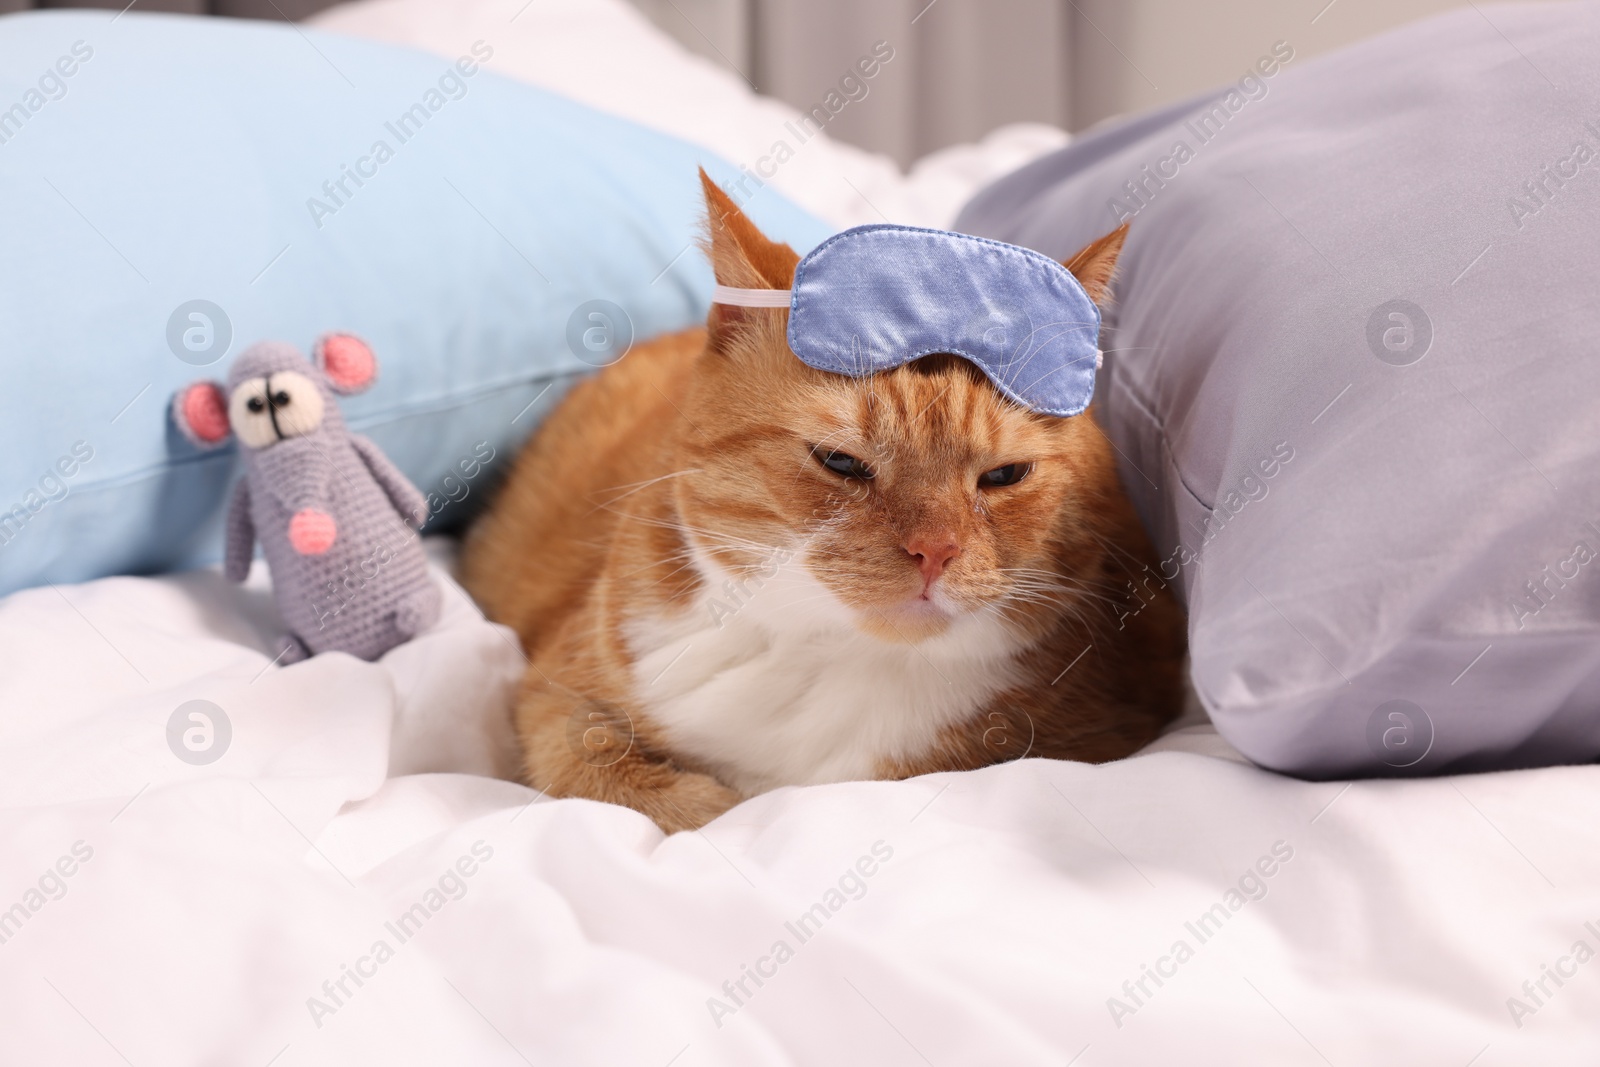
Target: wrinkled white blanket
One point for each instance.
(346, 884)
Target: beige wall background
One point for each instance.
(963, 67)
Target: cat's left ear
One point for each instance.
(741, 255)
(1095, 265)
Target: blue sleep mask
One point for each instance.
(875, 297)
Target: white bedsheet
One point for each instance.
(1004, 907)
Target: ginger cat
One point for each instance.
(731, 572)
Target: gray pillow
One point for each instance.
(1354, 379)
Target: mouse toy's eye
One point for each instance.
(844, 464)
(1010, 474)
(274, 407)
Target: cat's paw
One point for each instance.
(691, 801)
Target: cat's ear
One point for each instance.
(741, 255)
(1096, 264)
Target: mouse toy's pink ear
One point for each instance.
(201, 412)
(347, 361)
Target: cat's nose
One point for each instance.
(931, 553)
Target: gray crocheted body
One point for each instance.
(336, 520)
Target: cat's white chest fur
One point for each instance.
(769, 683)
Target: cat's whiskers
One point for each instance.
(1027, 578)
(1066, 611)
(1125, 558)
(1064, 592)
(657, 561)
(1114, 592)
(685, 564)
(1065, 601)
(717, 536)
(687, 558)
(694, 540)
(1067, 614)
(634, 487)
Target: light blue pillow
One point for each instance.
(300, 182)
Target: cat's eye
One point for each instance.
(1010, 474)
(844, 464)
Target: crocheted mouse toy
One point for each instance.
(333, 515)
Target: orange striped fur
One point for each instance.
(709, 611)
